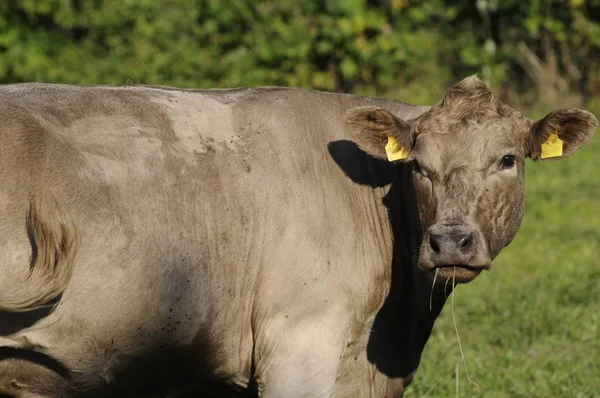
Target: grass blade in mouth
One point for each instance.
(462, 354)
(432, 286)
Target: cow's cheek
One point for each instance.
(503, 212)
(490, 211)
(514, 215)
(426, 201)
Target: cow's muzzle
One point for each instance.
(454, 251)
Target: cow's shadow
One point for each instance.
(12, 322)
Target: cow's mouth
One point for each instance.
(457, 273)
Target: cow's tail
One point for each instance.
(54, 245)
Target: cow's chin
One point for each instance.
(454, 273)
(447, 274)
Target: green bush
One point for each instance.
(400, 48)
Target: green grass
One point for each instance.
(531, 326)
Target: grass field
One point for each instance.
(530, 327)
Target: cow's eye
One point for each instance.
(507, 162)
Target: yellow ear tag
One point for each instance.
(394, 151)
(553, 147)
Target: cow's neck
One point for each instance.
(404, 323)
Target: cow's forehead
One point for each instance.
(471, 115)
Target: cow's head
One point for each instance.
(467, 154)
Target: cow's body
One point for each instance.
(227, 238)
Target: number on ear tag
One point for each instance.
(553, 147)
(395, 151)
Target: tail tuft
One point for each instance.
(54, 245)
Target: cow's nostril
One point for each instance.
(434, 242)
(466, 241)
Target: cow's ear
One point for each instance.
(560, 133)
(379, 133)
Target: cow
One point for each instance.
(270, 241)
